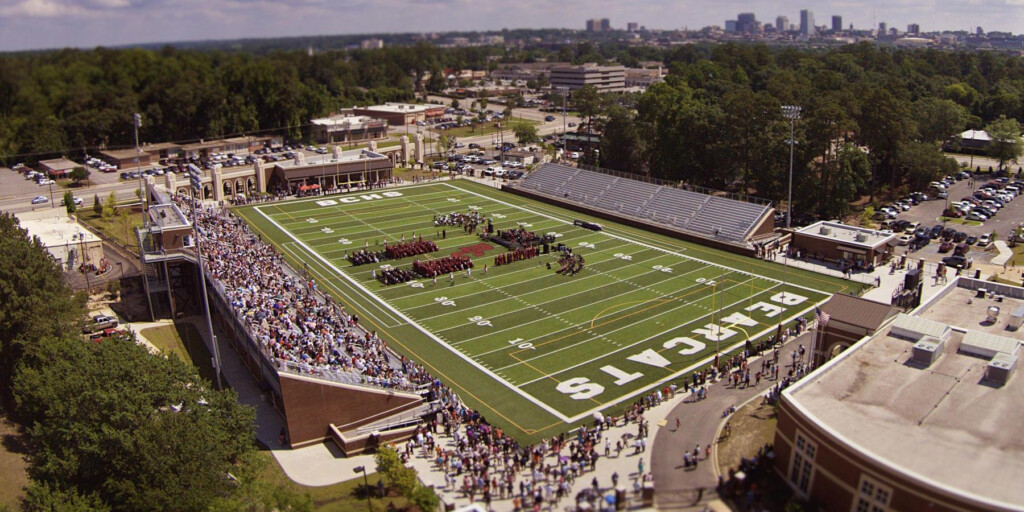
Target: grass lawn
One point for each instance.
(182, 339)
(487, 128)
(753, 426)
(535, 350)
(12, 466)
(342, 497)
(954, 220)
(120, 228)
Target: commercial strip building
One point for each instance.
(832, 241)
(348, 128)
(923, 414)
(602, 78)
(401, 114)
(57, 167)
(125, 158)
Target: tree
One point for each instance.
(455, 103)
(79, 174)
(622, 146)
(588, 102)
(867, 216)
(525, 133)
(1005, 145)
(97, 206)
(482, 101)
(114, 420)
(110, 204)
(938, 119)
(69, 202)
(36, 302)
(446, 143)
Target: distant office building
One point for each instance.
(746, 22)
(837, 23)
(603, 78)
(371, 44)
(730, 26)
(914, 29)
(882, 28)
(632, 26)
(807, 22)
(979, 31)
(599, 25)
(782, 23)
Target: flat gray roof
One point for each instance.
(943, 424)
(846, 234)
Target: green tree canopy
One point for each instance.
(1005, 145)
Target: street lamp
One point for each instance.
(791, 112)
(366, 486)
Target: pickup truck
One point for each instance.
(99, 323)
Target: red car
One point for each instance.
(945, 246)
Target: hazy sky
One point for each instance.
(28, 24)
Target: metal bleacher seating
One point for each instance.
(711, 216)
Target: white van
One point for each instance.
(1013, 189)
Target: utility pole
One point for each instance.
(194, 176)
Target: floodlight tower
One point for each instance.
(791, 112)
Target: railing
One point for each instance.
(340, 376)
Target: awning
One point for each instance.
(852, 250)
(304, 188)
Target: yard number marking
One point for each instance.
(480, 321)
(444, 301)
(522, 346)
(624, 257)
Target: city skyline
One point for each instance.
(44, 24)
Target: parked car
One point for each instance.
(99, 323)
(984, 240)
(956, 261)
(971, 240)
(40, 200)
(45, 181)
(961, 249)
(945, 246)
(75, 199)
(474, 145)
(904, 239)
(935, 231)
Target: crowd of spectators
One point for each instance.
(282, 312)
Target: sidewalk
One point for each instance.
(679, 487)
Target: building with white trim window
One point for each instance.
(924, 414)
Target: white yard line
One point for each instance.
(554, 412)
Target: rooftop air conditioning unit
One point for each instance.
(825, 230)
(927, 351)
(862, 237)
(1001, 367)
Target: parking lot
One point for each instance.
(928, 213)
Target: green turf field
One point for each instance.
(531, 349)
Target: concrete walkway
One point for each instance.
(1004, 253)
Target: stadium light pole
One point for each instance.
(194, 176)
(137, 122)
(791, 112)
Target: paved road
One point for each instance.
(678, 486)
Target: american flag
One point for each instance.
(821, 316)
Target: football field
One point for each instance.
(530, 348)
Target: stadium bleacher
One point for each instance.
(711, 216)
